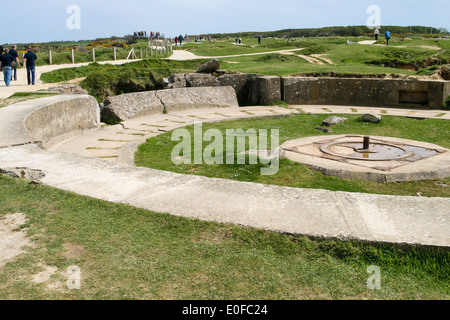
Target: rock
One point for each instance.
(209, 67)
(219, 73)
(24, 173)
(324, 130)
(67, 89)
(333, 121)
(176, 80)
(444, 72)
(373, 118)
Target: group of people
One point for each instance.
(9, 62)
(140, 34)
(387, 35)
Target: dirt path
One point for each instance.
(186, 55)
(323, 57)
(12, 239)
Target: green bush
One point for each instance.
(318, 49)
(277, 58)
(118, 80)
(447, 104)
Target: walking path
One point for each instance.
(117, 143)
(186, 55)
(21, 85)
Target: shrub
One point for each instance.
(447, 104)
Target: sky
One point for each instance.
(35, 21)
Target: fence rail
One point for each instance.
(156, 49)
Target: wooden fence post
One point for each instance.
(73, 56)
(115, 54)
(93, 54)
(50, 57)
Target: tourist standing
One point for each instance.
(15, 55)
(387, 35)
(29, 60)
(6, 65)
(259, 40)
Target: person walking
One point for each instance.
(15, 55)
(6, 65)
(387, 35)
(29, 60)
(377, 34)
(259, 40)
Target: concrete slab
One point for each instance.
(319, 213)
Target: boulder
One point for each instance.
(209, 67)
(34, 175)
(333, 121)
(176, 80)
(373, 118)
(324, 130)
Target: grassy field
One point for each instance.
(156, 153)
(128, 253)
(410, 57)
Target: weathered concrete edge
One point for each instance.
(47, 121)
(128, 106)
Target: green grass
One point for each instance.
(156, 153)
(348, 59)
(102, 81)
(354, 59)
(249, 45)
(129, 253)
(24, 96)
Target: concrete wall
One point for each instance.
(252, 89)
(364, 92)
(47, 121)
(134, 105)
